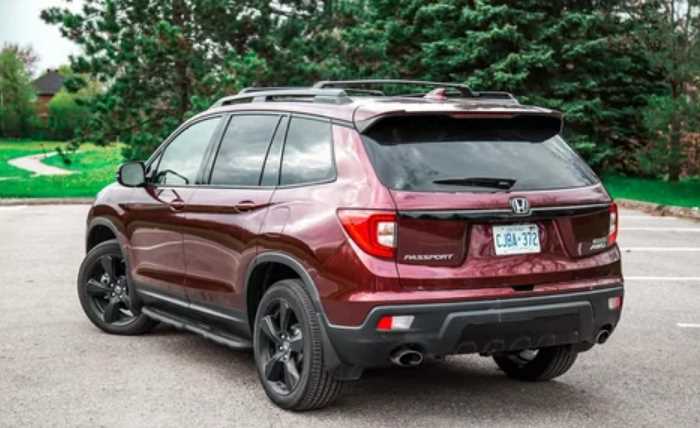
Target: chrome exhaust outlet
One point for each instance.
(602, 336)
(405, 357)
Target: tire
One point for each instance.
(103, 290)
(289, 354)
(546, 364)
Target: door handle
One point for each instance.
(243, 206)
(177, 204)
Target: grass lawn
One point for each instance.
(685, 193)
(94, 168)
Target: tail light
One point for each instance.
(373, 231)
(395, 322)
(612, 232)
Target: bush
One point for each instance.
(66, 115)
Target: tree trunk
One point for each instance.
(181, 65)
(675, 152)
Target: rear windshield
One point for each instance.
(443, 154)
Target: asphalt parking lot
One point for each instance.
(56, 369)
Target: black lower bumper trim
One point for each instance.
(480, 326)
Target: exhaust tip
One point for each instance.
(405, 357)
(602, 336)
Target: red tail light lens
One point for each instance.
(612, 232)
(384, 323)
(373, 231)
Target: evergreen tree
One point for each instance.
(569, 55)
(162, 61)
(669, 31)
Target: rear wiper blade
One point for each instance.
(496, 183)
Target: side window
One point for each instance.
(307, 153)
(243, 150)
(182, 158)
(271, 173)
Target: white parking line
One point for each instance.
(687, 325)
(661, 249)
(662, 278)
(645, 217)
(663, 229)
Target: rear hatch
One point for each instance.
(491, 201)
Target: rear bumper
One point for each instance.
(479, 326)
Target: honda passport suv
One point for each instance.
(336, 228)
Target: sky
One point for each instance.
(20, 23)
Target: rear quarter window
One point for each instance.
(425, 154)
(308, 154)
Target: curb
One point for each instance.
(660, 210)
(45, 201)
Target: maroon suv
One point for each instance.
(335, 228)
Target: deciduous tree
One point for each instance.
(16, 95)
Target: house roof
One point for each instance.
(48, 83)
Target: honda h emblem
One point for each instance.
(520, 206)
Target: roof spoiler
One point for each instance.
(529, 125)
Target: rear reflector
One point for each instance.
(373, 231)
(612, 232)
(395, 322)
(615, 303)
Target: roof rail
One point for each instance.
(250, 89)
(499, 95)
(464, 90)
(249, 95)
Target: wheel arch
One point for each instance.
(100, 230)
(268, 268)
(288, 265)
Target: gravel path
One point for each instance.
(33, 164)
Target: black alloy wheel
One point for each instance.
(108, 290)
(281, 347)
(104, 291)
(288, 347)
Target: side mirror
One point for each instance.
(132, 174)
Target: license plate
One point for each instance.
(516, 239)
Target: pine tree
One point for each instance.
(162, 61)
(569, 55)
(669, 31)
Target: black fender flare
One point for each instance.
(104, 222)
(293, 264)
(332, 361)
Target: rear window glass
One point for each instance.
(443, 154)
